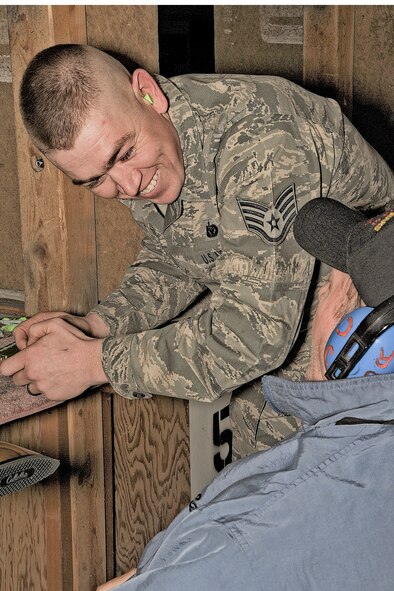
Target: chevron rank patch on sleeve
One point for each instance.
(270, 222)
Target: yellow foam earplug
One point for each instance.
(148, 98)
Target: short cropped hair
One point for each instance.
(57, 92)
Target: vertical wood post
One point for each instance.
(328, 52)
(58, 226)
(58, 238)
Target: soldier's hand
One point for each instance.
(59, 360)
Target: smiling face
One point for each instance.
(128, 148)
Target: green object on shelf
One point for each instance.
(8, 328)
(8, 325)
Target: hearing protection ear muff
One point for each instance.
(362, 343)
(148, 98)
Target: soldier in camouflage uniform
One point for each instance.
(255, 149)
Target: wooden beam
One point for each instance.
(58, 238)
(328, 52)
(87, 492)
(58, 225)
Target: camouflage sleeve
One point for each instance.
(362, 179)
(153, 291)
(241, 335)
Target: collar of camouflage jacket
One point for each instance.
(191, 133)
(200, 179)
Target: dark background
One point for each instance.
(186, 40)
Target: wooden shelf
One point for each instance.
(12, 302)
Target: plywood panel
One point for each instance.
(152, 471)
(87, 492)
(374, 76)
(35, 525)
(11, 263)
(259, 40)
(131, 30)
(58, 232)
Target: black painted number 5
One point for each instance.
(222, 437)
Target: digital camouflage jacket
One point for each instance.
(256, 148)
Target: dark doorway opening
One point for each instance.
(186, 40)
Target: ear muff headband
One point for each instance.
(373, 325)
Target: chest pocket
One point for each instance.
(193, 239)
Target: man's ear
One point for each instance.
(144, 84)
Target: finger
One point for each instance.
(78, 322)
(20, 378)
(53, 325)
(37, 331)
(42, 328)
(13, 364)
(22, 332)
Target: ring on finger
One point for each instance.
(30, 392)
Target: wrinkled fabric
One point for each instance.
(251, 144)
(314, 512)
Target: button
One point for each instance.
(212, 230)
(138, 395)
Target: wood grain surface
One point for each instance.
(58, 224)
(328, 52)
(11, 266)
(66, 541)
(152, 482)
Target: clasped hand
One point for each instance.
(60, 356)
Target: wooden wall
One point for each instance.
(373, 76)
(345, 52)
(11, 266)
(125, 470)
(259, 40)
